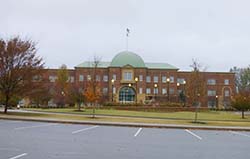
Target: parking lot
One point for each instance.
(29, 140)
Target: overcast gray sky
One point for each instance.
(215, 32)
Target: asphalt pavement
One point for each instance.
(42, 140)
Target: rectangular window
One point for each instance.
(114, 77)
(127, 76)
(140, 90)
(226, 81)
(180, 80)
(140, 78)
(105, 90)
(171, 91)
(114, 90)
(148, 91)
(97, 78)
(52, 78)
(155, 90)
(36, 78)
(226, 93)
(148, 79)
(163, 79)
(72, 79)
(164, 91)
(155, 79)
(179, 91)
(211, 93)
(211, 82)
(105, 78)
(81, 78)
(80, 90)
(88, 77)
(211, 103)
(171, 79)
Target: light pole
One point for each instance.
(184, 93)
(112, 83)
(216, 101)
(136, 93)
(63, 95)
(168, 80)
(129, 96)
(196, 108)
(155, 87)
(179, 94)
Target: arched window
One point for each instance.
(127, 94)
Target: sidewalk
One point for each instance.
(144, 125)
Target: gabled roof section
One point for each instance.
(90, 64)
(160, 66)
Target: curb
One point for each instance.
(141, 125)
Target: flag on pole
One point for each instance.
(128, 31)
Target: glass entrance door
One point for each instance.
(127, 94)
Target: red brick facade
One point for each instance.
(221, 89)
(137, 82)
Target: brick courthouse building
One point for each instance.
(128, 79)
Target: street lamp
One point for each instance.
(127, 92)
(136, 80)
(184, 92)
(179, 94)
(112, 83)
(155, 87)
(63, 95)
(198, 100)
(196, 107)
(216, 101)
(168, 80)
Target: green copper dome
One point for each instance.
(127, 58)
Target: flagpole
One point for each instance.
(127, 43)
(127, 33)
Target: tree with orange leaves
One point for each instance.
(93, 93)
(241, 102)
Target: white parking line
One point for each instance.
(36, 126)
(77, 131)
(238, 133)
(190, 132)
(19, 156)
(138, 131)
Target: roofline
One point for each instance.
(92, 67)
(163, 68)
(208, 72)
(133, 67)
(55, 69)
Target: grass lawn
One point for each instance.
(205, 116)
(123, 119)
